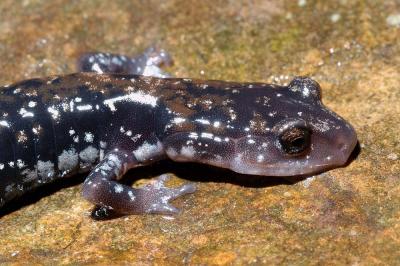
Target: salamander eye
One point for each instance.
(295, 140)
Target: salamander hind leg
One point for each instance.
(112, 198)
(148, 63)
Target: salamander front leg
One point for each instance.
(155, 196)
(110, 197)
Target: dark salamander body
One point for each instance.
(105, 124)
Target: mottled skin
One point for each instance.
(106, 124)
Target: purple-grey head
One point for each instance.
(267, 130)
(301, 135)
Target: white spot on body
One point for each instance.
(306, 92)
(114, 160)
(96, 68)
(54, 112)
(188, 151)
(154, 71)
(85, 107)
(24, 113)
(71, 105)
(4, 123)
(105, 167)
(29, 175)
(118, 188)
(207, 135)
(217, 139)
(103, 144)
(10, 188)
(203, 121)
(89, 155)
(21, 136)
(136, 137)
(251, 141)
(20, 164)
(178, 120)
(131, 196)
(232, 114)
(45, 170)
(139, 97)
(321, 125)
(116, 60)
(32, 104)
(172, 153)
(264, 145)
(89, 137)
(147, 151)
(36, 129)
(68, 160)
(193, 135)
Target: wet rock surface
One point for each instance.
(345, 216)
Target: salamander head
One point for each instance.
(304, 137)
(264, 130)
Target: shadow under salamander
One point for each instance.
(189, 171)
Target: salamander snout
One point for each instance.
(295, 147)
(344, 142)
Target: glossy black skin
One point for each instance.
(124, 121)
(54, 136)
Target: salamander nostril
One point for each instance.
(346, 144)
(341, 146)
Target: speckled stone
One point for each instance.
(345, 216)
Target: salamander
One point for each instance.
(112, 116)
